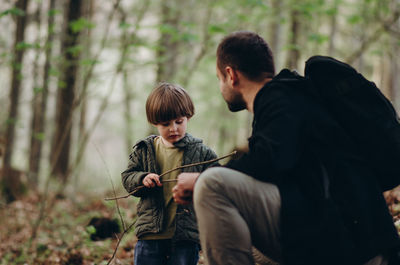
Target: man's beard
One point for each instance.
(236, 103)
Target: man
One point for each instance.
(302, 194)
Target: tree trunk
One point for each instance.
(168, 44)
(395, 79)
(333, 28)
(386, 74)
(39, 106)
(167, 51)
(65, 95)
(293, 55)
(128, 97)
(16, 77)
(204, 46)
(88, 13)
(275, 31)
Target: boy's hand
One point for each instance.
(151, 180)
(183, 190)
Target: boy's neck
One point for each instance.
(166, 143)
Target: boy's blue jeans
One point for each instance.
(164, 252)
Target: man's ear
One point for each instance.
(232, 75)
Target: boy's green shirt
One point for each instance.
(167, 158)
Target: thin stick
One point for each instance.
(169, 171)
(112, 184)
(119, 241)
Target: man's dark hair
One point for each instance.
(247, 52)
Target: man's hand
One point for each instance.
(183, 190)
(151, 180)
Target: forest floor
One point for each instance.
(63, 236)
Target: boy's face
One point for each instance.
(172, 131)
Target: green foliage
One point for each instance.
(318, 38)
(169, 30)
(4, 54)
(41, 249)
(62, 84)
(39, 136)
(255, 2)
(53, 12)
(354, 19)
(188, 37)
(91, 229)
(11, 121)
(75, 50)
(13, 11)
(17, 66)
(54, 71)
(213, 28)
(124, 25)
(377, 52)
(24, 45)
(88, 62)
(331, 11)
(80, 24)
(37, 90)
(51, 29)
(291, 47)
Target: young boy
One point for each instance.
(167, 232)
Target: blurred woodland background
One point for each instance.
(75, 76)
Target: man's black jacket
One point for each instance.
(336, 217)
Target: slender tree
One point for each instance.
(88, 14)
(60, 153)
(126, 40)
(168, 46)
(333, 28)
(204, 45)
(293, 54)
(39, 103)
(275, 31)
(10, 183)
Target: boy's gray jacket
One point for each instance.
(150, 209)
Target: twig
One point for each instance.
(112, 184)
(169, 171)
(119, 241)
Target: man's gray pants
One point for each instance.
(235, 212)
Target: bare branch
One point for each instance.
(169, 171)
(203, 48)
(112, 184)
(119, 241)
(386, 25)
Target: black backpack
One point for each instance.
(363, 111)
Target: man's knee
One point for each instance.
(208, 182)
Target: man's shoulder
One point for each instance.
(286, 90)
(283, 83)
(287, 79)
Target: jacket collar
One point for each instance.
(187, 140)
